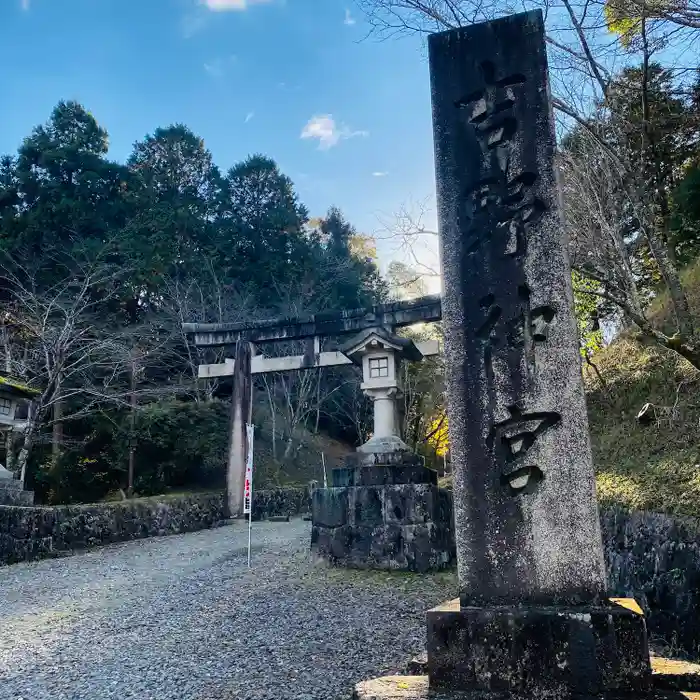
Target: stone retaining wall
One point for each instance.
(655, 558)
(273, 502)
(36, 533)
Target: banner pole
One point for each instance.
(248, 485)
(250, 531)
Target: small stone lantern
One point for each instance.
(14, 415)
(380, 353)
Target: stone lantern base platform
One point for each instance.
(384, 511)
(11, 493)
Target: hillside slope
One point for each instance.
(653, 466)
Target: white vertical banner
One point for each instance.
(248, 484)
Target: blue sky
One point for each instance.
(347, 118)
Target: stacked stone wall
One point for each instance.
(28, 533)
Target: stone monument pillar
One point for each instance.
(533, 615)
(384, 509)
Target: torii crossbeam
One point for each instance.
(393, 315)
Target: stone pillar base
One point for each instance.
(538, 652)
(383, 512)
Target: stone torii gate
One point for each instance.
(374, 346)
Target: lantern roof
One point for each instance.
(380, 339)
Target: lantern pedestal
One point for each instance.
(385, 511)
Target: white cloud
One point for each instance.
(349, 19)
(324, 128)
(201, 12)
(217, 68)
(226, 5)
(25, 4)
(379, 173)
(249, 116)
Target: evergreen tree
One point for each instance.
(176, 238)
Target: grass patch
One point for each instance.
(116, 499)
(654, 466)
(661, 312)
(396, 578)
(406, 581)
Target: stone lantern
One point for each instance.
(14, 414)
(384, 509)
(380, 353)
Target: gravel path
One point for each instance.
(182, 618)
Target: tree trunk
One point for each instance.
(676, 293)
(288, 448)
(273, 417)
(57, 427)
(415, 430)
(630, 284)
(594, 367)
(9, 453)
(27, 442)
(57, 431)
(5, 334)
(318, 401)
(688, 351)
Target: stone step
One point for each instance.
(671, 679)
